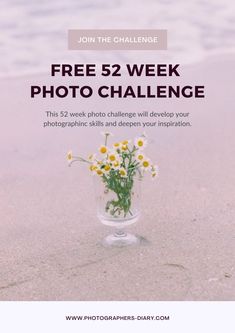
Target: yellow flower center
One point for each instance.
(112, 158)
(93, 167)
(124, 147)
(140, 143)
(99, 172)
(140, 157)
(145, 164)
(116, 144)
(107, 167)
(69, 156)
(125, 142)
(103, 149)
(122, 172)
(116, 163)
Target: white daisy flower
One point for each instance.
(106, 168)
(140, 157)
(93, 168)
(99, 171)
(116, 145)
(116, 165)
(145, 164)
(126, 142)
(69, 156)
(103, 149)
(122, 172)
(140, 142)
(113, 156)
(154, 171)
(124, 147)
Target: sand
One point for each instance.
(50, 239)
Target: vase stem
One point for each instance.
(120, 233)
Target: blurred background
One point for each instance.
(196, 28)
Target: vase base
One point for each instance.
(120, 240)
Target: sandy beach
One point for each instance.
(50, 239)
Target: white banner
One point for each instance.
(164, 317)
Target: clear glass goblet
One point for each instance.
(119, 209)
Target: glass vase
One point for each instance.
(119, 209)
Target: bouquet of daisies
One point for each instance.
(118, 166)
